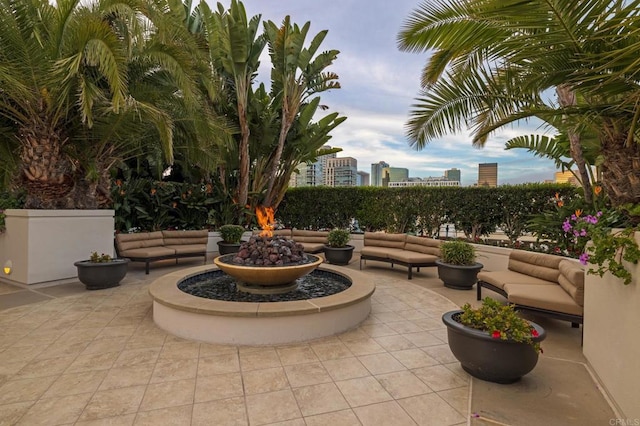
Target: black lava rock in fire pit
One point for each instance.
(270, 251)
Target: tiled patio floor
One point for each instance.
(97, 358)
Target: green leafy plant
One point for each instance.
(231, 234)
(500, 321)
(338, 237)
(457, 253)
(99, 258)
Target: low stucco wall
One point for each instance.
(42, 245)
(611, 344)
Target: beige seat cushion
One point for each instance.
(188, 248)
(148, 252)
(126, 242)
(414, 257)
(185, 237)
(550, 297)
(311, 247)
(502, 278)
(572, 280)
(382, 239)
(539, 265)
(423, 245)
(381, 252)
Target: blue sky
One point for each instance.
(379, 84)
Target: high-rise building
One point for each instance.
(452, 174)
(376, 173)
(394, 174)
(341, 171)
(488, 174)
(567, 177)
(312, 174)
(429, 181)
(363, 178)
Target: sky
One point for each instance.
(378, 86)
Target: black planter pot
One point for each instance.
(99, 275)
(486, 358)
(338, 255)
(459, 277)
(228, 248)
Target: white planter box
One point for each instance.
(492, 258)
(42, 245)
(611, 344)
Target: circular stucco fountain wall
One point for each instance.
(246, 323)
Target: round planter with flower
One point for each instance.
(101, 271)
(337, 251)
(493, 343)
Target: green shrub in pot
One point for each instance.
(231, 234)
(338, 238)
(457, 253)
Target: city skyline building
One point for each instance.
(429, 181)
(363, 178)
(312, 174)
(341, 171)
(452, 174)
(376, 173)
(488, 174)
(394, 174)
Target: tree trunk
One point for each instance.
(243, 190)
(620, 169)
(566, 98)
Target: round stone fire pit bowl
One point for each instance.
(266, 275)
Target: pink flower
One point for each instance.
(496, 334)
(584, 258)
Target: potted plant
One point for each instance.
(493, 342)
(231, 238)
(101, 271)
(337, 251)
(457, 266)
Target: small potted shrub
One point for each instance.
(231, 238)
(337, 251)
(101, 271)
(457, 266)
(493, 342)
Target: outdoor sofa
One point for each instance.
(539, 283)
(148, 247)
(401, 249)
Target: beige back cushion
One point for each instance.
(304, 236)
(572, 280)
(539, 265)
(185, 237)
(138, 240)
(423, 245)
(382, 239)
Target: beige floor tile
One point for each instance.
(364, 346)
(54, 411)
(384, 413)
(60, 349)
(458, 398)
(318, 399)
(122, 377)
(141, 341)
(173, 416)
(24, 389)
(173, 351)
(388, 317)
(306, 374)
(378, 330)
(290, 355)
(345, 368)
(412, 314)
(222, 386)
(414, 358)
(106, 344)
(116, 331)
(294, 422)
(168, 370)
(457, 368)
(429, 324)
(10, 414)
(92, 362)
(431, 410)
(424, 338)
(363, 391)
(168, 394)
(45, 367)
(210, 349)
(271, 407)
(228, 412)
(396, 342)
(331, 350)
(131, 357)
(403, 384)
(113, 403)
(441, 353)
(218, 364)
(124, 420)
(22, 353)
(440, 378)
(336, 418)
(265, 380)
(355, 334)
(76, 383)
(381, 363)
(404, 327)
(259, 358)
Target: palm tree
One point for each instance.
(85, 85)
(495, 61)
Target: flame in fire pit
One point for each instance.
(265, 220)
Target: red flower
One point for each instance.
(496, 334)
(534, 332)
